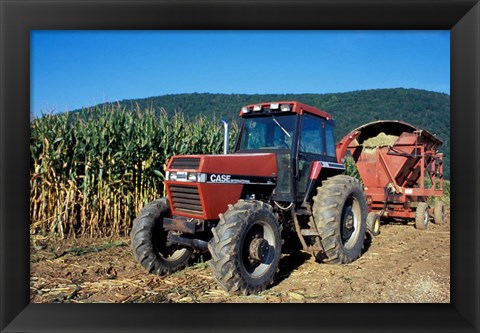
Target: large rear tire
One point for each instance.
(340, 211)
(149, 241)
(246, 247)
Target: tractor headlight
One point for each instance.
(197, 177)
(182, 176)
(257, 108)
(274, 106)
(284, 107)
(171, 175)
(201, 177)
(245, 109)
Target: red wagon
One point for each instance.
(400, 168)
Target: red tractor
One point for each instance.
(284, 183)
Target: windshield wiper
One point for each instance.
(281, 127)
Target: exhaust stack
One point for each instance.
(225, 136)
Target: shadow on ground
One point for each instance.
(288, 264)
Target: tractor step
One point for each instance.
(314, 250)
(302, 212)
(309, 232)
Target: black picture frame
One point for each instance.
(18, 18)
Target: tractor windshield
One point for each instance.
(269, 132)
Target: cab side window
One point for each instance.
(330, 141)
(312, 135)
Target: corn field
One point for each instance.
(91, 171)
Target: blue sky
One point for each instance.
(74, 69)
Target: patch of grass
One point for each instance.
(79, 251)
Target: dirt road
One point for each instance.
(402, 264)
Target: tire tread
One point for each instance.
(142, 237)
(327, 210)
(224, 250)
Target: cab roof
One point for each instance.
(295, 106)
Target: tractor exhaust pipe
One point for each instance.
(225, 136)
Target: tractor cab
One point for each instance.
(299, 135)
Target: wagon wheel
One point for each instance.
(373, 223)
(439, 212)
(422, 218)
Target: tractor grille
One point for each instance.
(186, 199)
(185, 163)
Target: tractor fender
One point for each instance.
(320, 171)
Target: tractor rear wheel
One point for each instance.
(422, 218)
(340, 211)
(149, 241)
(246, 247)
(439, 212)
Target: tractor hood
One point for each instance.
(202, 186)
(235, 168)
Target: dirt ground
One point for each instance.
(401, 265)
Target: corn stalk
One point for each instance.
(91, 171)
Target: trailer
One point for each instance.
(400, 168)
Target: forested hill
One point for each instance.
(425, 109)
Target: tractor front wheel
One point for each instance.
(149, 241)
(246, 247)
(340, 211)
